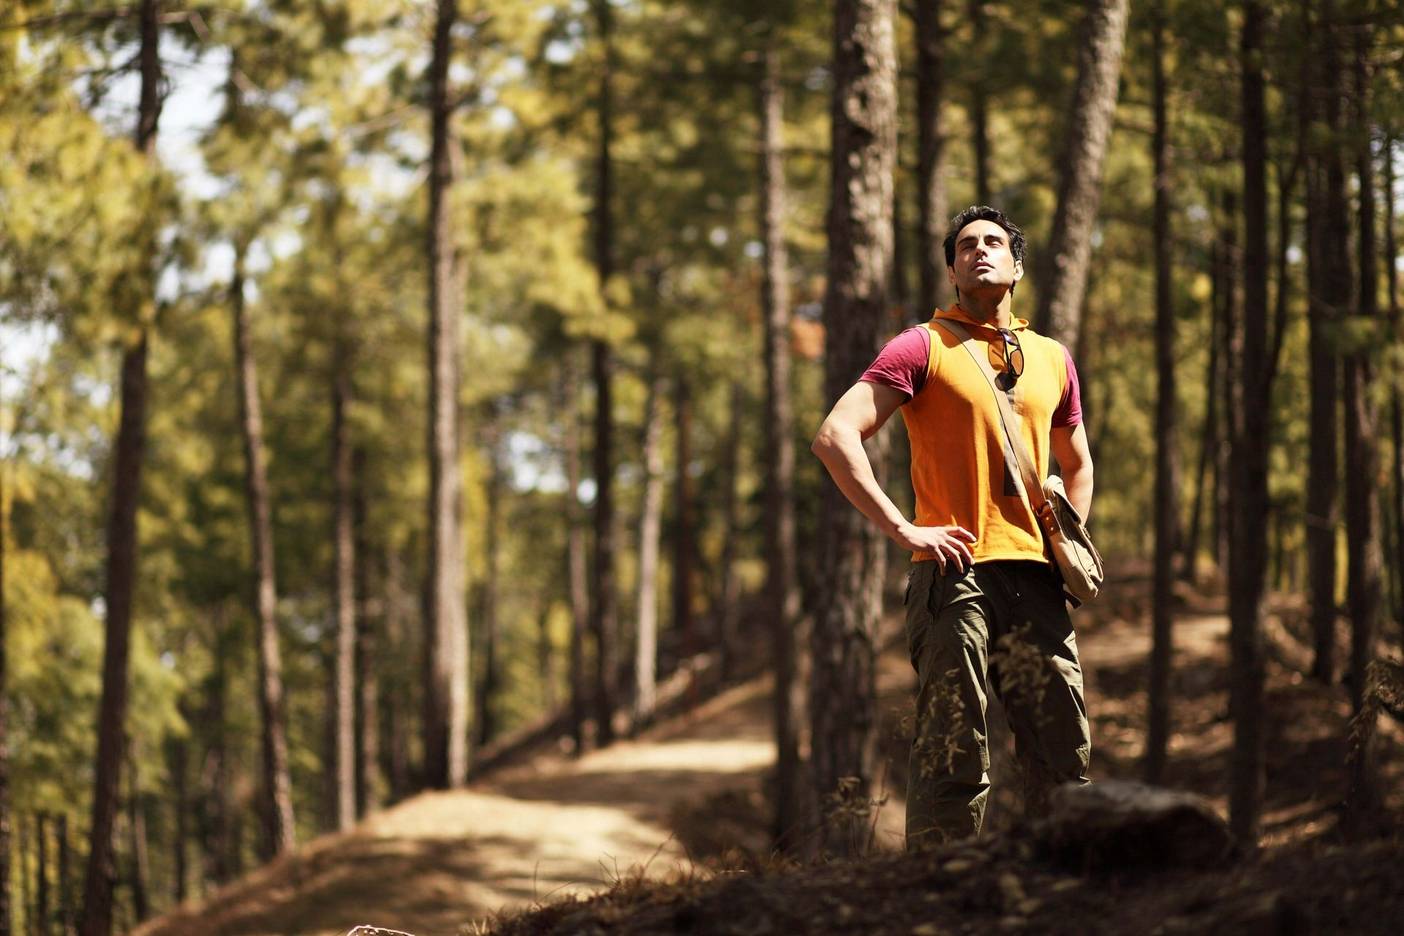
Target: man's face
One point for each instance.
(983, 261)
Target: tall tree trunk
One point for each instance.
(1362, 527)
(729, 588)
(1323, 309)
(488, 621)
(5, 909)
(603, 599)
(1396, 418)
(447, 689)
(41, 874)
(1209, 437)
(1063, 282)
(367, 661)
(931, 154)
(219, 809)
(65, 895)
(1231, 259)
(781, 559)
(650, 526)
(1167, 469)
(576, 560)
(684, 537)
(395, 737)
(344, 585)
(277, 806)
(122, 530)
(140, 869)
(1248, 521)
(979, 99)
(178, 750)
(844, 716)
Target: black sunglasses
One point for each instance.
(1009, 360)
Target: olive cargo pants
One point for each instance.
(1000, 624)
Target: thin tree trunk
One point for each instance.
(603, 599)
(650, 527)
(1249, 456)
(1063, 283)
(1363, 801)
(1209, 439)
(25, 906)
(488, 622)
(178, 756)
(396, 722)
(684, 548)
(128, 453)
(729, 590)
(782, 592)
(1324, 285)
(545, 657)
(979, 100)
(1167, 480)
(842, 689)
(367, 661)
(447, 688)
(41, 874)
(277, 806)
(344, 585)
(931, 154)
(576, 559)
(65, 886)
(218, 779)
(1391, 254)
(140, 868)
(5, 909)
(1232, 338)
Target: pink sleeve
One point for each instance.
(901, 364)
(1069, 411)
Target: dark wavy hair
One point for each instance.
(984, 213)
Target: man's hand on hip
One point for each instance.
(950, 544)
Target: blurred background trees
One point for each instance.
(619, 214)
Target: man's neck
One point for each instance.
(992, 310)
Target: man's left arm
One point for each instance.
(1069, 445)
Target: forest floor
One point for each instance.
(668, 832)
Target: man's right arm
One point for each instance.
(858, 414)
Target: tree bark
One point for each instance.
(603, 604)
(782, 592)
(979, 100)
(447, 688)
(277, 806)
(488, 621)
(1363, 800)
(931, 154)
(650, 527)
(1063, 283)
(1248, 522)
(178, 758)
(65, 895)
(728, 604)
(576, 559)
(843, 705)
(140, 869)
(1324, 284)
(684, 537)
(1396, 418)
(219, 808)
(395, 739)
(1167, 469)
(367, 657)
(344, 585)
(41, 874)
(5, 909)
(128, 454)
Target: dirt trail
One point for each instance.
(439, 861)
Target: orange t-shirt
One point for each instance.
(957, 440)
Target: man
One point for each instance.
(985, 606)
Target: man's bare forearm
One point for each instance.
(1078, 482)
(847, 462)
